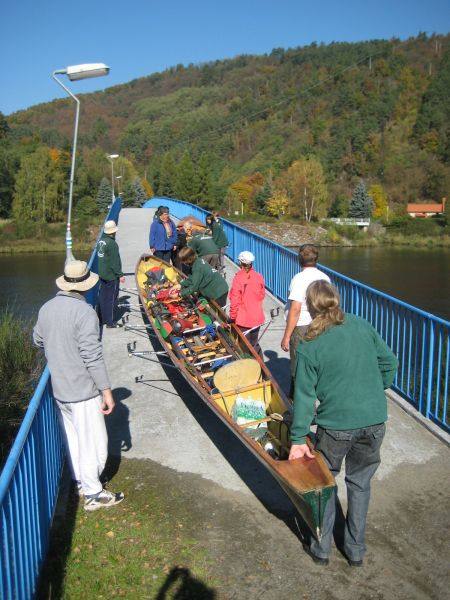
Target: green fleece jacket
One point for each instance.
(205, 280)
(203, 245)
(218, 235)
(109, 263)
(347, 368)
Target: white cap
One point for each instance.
(246, 257)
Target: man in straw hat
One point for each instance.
(110, 273)
(68, 330)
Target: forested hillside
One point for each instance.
(292, 132)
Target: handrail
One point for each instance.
(29, 484)
(420, 339)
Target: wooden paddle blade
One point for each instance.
(239, 373)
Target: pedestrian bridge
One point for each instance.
(410, 490)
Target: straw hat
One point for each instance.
(110, 227)
(246, 257)
(77, 277)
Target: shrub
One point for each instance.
(20, 366)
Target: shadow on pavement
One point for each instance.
(182, 586)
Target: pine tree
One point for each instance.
(139, 194)
(167, 176)
(262, 198)
(185, 184)
(338, 208)
(104, 195)
(361, 204)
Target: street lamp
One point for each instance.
(112, 158)
(118, 177)
(75, 73)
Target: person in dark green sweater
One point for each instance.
(218, 234)
(203, 279)
(205, 247)
(109, 272)
(345, 364)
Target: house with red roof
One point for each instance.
(424, 209)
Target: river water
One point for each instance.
(417, 276)
(420, 277)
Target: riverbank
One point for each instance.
(294, 234)
(46, 237)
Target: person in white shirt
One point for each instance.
(296, 312)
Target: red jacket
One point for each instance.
(246, 298)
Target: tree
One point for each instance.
(8, 168)
(203, 181)
(306, 188)
(86, 207)
(361, 204)
(263, 197)
(167, 176)
(104, 195)
(4, 127)
(184, 183)
(380, 203)
(139, 194)
(133, 193)
(39, 189)
(339, 208)
(277, 204)
(148, 190)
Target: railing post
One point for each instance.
(430, 345)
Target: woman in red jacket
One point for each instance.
(246, 299)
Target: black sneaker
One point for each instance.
(317, 559)
(114, 326)
(103, 499)
(355, 563)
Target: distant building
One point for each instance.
(422, 209)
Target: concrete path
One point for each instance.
(158, 417)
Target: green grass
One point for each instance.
(20, 366)
(135, 550)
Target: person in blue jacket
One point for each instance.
(163, 235)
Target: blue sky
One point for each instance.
(138, 37)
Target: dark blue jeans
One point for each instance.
(163, 255)
(107, 296)
(361, 450)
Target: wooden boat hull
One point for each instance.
(198, 339)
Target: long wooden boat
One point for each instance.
(216, 359)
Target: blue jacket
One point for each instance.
(158, 238)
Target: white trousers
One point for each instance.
(84, 429)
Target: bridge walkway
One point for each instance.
(159, 419)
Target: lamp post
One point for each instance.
(112, 158)
(76, 73)
(118, 177)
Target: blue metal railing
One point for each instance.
(420, 340)
(29, 484)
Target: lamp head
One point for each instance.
(76, 72)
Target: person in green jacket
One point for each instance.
(110, 274)
(218, 234)
(203, 279)
(205, 247)
(344, 364)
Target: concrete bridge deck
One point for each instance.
(160, 419)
